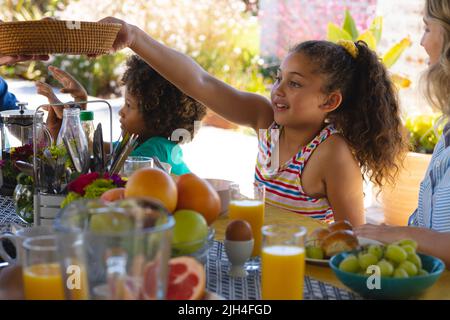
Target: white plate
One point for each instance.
(324, 262)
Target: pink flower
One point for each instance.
(79, 184)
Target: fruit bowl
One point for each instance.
(390, 288)
(197, 249)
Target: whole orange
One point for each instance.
(197, 194)
(155, 183)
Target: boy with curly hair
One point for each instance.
(154, 109)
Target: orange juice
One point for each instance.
(251, 211)
(43, 282)
(283, 269)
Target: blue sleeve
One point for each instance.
(7, 99)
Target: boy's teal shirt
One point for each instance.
(166, 151)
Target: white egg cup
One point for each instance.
(238, 253)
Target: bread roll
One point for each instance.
(340, 225)
(317, 236)
(339, 241)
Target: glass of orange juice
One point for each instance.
(42, 276)
(248, 205)
(283, 262)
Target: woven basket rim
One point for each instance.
(58, 22)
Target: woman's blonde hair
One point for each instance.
(437, 88)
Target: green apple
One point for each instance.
(189, 232)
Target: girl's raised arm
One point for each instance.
(237, 106)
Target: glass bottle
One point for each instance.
(87, 122)
(72, 136)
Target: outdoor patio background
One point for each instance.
(231, 154)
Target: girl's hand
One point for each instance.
(126, 35)
(383, 233)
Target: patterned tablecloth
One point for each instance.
(8, 214)
(217, 266)
(218, 281)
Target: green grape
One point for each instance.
(422, 272)
(414, 258)
(409, 249)
(409, 267)
(367, 259)
(376, 250)
(395, 253)
(406, 242)
(314, 252)
(349, 264)
(386, 268)
(400, 273)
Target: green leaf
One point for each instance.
(395, 52)
(368, 37)
(350, 26)
(377, 28)
(335, 33)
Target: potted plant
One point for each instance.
(399, 201)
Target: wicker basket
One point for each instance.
(51, 36)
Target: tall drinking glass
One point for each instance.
(283, 262)
(42, 276)
(249, 207)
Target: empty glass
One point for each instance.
(133, 163)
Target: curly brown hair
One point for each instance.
(369, 115)
(164, 107)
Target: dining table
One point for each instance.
(322, 275)
(320, 283)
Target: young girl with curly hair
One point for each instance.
(333, 113)
(154, 109)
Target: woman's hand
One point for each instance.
(383, 233)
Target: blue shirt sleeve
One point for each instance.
(7, 99)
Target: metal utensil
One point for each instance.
(98, 150)
(126, 150)
(159, 164)
(25, 167)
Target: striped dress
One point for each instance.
(433, 211)
(283, 183)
